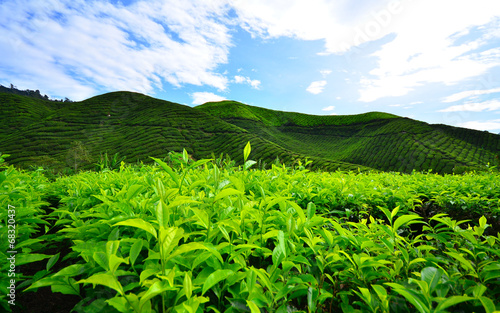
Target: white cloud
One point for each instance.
(482, 125)
(489, 105)
(78, 48)
(316, 87)
(425, 49)
(469, 93)
(423, 46)
(308, 20)
(325, 73)
(254, 83)
(329, 108)
(239, 79)
(204, 97)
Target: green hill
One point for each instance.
(377, 140)
(37, 131)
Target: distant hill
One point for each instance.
(376, 140)
(29, 93)
(38, 131)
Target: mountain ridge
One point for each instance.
(41, 132)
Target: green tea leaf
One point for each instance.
(264, 278)
(155, 289)
(226, 193)
(72, 270)
(133, 191)
(24, 258)
(405, 219)
(488, 304)
(148, 273)
(169, 239)
(248, 164)
(191, 246)
(279, 252)
(119, 303)
(410, 296)
(214, 278)
(432, 276)
(253, 307)
(169, 170)
(67, 289)
(135, 250)
(311, 210)
(114, 262)
(381, 292)
(246, 151)
(199, 163)
(52, 261)
(452, 301)
(102, 259)
(394, 212)
(465, 263)
(48, 281)
(104, 279)
(112, 247)
(188, 285)
(482, 222)
(139, 223)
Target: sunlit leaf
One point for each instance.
(139, 223)
(104, 279)
(214, 278)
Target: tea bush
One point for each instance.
(197, 236)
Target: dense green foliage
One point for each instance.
(40, 132)
(205, 236)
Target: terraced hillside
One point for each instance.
(376, 140)
(36, 131)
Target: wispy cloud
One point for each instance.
(254, 83)
(325, 73)
(482, 125)
(490, 105)
(79, 48)
(469, 93)
(204, 97)
(328, 108)
(316, 87)
(427, 51)
(420, 50)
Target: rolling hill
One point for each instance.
(376, 140)
(37, 131)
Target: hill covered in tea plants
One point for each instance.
(136, 126)
(377, 140)
(53, 134)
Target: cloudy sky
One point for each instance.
(435, 61)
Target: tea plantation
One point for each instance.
(208, 236)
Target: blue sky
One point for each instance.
(435, 61)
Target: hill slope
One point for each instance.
(377, 140)
(35, 131)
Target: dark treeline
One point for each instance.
(30, 93)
